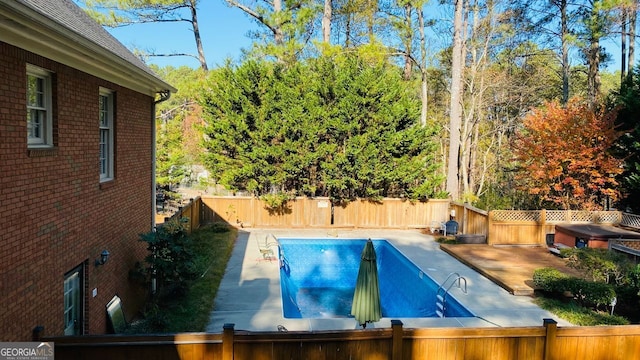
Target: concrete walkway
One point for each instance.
(249, 294)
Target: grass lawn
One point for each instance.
(189, 311)
(578, 315)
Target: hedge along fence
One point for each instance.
(546, 342)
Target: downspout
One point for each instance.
(164, 96)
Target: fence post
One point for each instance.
(543, 227)
(465, 219)
(550, 338)
(191, 205)
(490, 230)
(227, 341)
(397, 336)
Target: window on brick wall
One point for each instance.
(74, 301)
(39, 112)
(106, 134)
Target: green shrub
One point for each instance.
(600, 265)
(579, 315)
(211, 246)
(446, 240)
(170, 258)
(550, 279)
(586, 293)
(218, 227)
(589, 293)
(634, 279)
(277, 203)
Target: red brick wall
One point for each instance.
(54, 214)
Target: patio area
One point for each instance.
(249, 294)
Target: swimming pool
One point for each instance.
(318, 276)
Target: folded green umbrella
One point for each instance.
(366, 298)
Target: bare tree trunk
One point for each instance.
(347, 31)
(593, 75)
(196, 34)
(455, 113)
(473, 158)
(278, 35)
(407, 57)
(595, 33)
(565, 51)
(275, 29)
(373, 5)
(623, 44)
(423, 70)
(470, 90)
(326, 21)
(632, 37)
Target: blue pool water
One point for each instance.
(318, 277)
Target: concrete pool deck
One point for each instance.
(249, 294)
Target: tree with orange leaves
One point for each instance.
(563, 158)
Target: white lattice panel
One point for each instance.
(630, 220)
(581, 216)
(556, 216)
(561, 216)
(516, 215)
(609, 217)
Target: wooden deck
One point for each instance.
(511, 267)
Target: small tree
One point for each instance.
(563, 155)
(170, 256)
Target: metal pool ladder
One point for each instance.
(443, 291)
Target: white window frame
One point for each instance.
(106, 130)
(43, 138)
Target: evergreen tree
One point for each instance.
(337, 127)
(628, 145)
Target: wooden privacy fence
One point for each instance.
(322, 213)
(471, 219)
(546, 342)
(520, 227)
(190, 213)
(501, 227)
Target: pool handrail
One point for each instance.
(442, 292)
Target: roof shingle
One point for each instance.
(72, 17)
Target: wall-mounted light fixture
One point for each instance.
(104, 256)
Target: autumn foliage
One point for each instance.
(563, 156)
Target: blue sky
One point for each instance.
(225, 32)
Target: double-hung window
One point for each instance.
(106, 134)
(39, 112)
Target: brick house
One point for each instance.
(76, 169)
